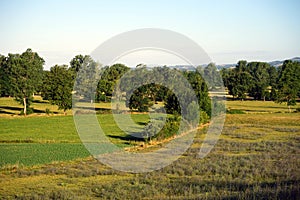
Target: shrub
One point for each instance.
(204, 118)
(234, 111)
(47, 111)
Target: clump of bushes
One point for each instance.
(234, 111)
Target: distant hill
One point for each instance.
(278, 63)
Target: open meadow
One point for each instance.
(256, 157)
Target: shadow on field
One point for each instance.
(126, 138)
(39, 101)
(5, 112)
(10, 109)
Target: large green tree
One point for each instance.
(58, 85)
(212, 76)
(76, 63)
(25, 74)
(3, 76)
(259, 72)
(109, 76)
(87, 77)
(239, 81)
(288, 88)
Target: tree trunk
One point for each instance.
(289, 109)
(25, 106)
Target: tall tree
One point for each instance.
(58, 85)
(201, 90)
(273, 79)
(239, 81)
(76, 63)
(3, 76)
(289, 83)
(109, 77)
(25, 73)
(87, 78)
(260, 79)
(212, 76)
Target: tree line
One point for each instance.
(261, 81)
(22, 75)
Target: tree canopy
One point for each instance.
(58, 86)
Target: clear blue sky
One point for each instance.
(228, 30)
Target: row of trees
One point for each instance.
(22, 75)
(261, 81)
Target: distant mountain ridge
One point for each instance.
(276, 63)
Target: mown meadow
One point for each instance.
(256, 157)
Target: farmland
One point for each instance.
(257, 156)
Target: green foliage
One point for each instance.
(234, 111)
(204, 118)
(58, 86)
(87, 78)
(212, 76)
(255, 79)
(109, 77)
(193, 114)
(23, 76)
(170, 128)
(260, 79)
(140, 99)
(48, 111)
(201, 90)
(239, 84)
(76, 64)
(29, 111)
(289, 83)
(218, 107)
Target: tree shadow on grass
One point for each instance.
(5, 112)
(9, 109)
(127, 138)
(43, 111)
(40, 101)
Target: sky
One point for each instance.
(228, 30)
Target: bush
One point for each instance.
(298, 110)
(170, 128)
(234, 111)
(47, 111)
(218, 108)
(204, 118)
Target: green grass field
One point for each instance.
(256, 157)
